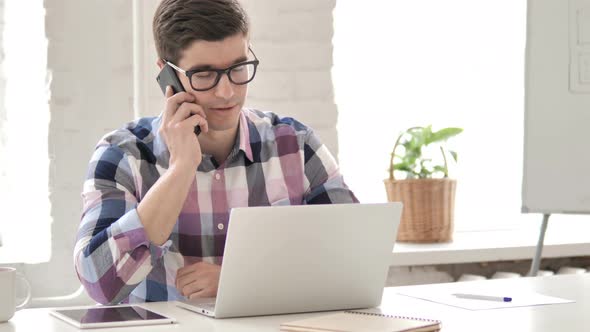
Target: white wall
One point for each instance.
(90, 56)
(2, 91)
(293, 40)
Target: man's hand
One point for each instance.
(198, 280)
(180, 117)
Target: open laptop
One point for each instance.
(303, 258)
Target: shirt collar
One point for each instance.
(163, 155)
(244, 136)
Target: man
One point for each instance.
(157, 196)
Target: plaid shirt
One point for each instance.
(275, 161)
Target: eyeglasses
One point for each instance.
(206, 79)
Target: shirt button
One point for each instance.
(217, 176)
(220, 226)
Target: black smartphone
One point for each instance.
(167, 77)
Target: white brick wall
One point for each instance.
(2, 94)
(3, 117)
(293, 40)
(89, 56)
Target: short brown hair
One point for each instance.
(179, 23)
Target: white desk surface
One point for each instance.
(569, 317)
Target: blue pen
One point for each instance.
(483, 297)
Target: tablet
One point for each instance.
(110, 316)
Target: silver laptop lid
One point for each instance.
(306, 258)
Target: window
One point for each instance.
(399, 64)
(24, 161)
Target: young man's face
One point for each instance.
(222, 104)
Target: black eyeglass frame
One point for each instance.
(219, 72)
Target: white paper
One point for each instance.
(519, 298)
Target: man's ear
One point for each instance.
(160, 63)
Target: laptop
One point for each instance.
(291, 259)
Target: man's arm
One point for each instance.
(112, 253)
(326, 185)
(119, 239)
(161, 206)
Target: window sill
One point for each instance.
(561, 240)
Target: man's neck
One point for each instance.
(218, 143)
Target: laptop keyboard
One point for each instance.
(203, 305)
(208, 305)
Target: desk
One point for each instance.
(561, 317)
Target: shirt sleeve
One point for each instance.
(112, 254)
(326, 184)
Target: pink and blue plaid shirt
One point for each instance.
(275, 161)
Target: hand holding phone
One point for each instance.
(181, 115)
(167, 77)
(181, 120)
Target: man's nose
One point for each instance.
(224, 88)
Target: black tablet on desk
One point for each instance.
(110, 316)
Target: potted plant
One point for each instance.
(427, 192)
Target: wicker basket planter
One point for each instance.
(428, 208)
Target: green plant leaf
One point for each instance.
(439, 168)
(424, 174)
(402, 167)
(418, 138)
(427, 134)
(425, 171)
(444, 134)
(454, 154)
(411, 157)
(408, 152)
(423, 161)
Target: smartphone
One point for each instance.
(167, 77)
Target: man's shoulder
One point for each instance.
(135, 137)
(269, 124)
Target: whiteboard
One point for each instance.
(556, 174)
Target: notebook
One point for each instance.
(356, 321)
